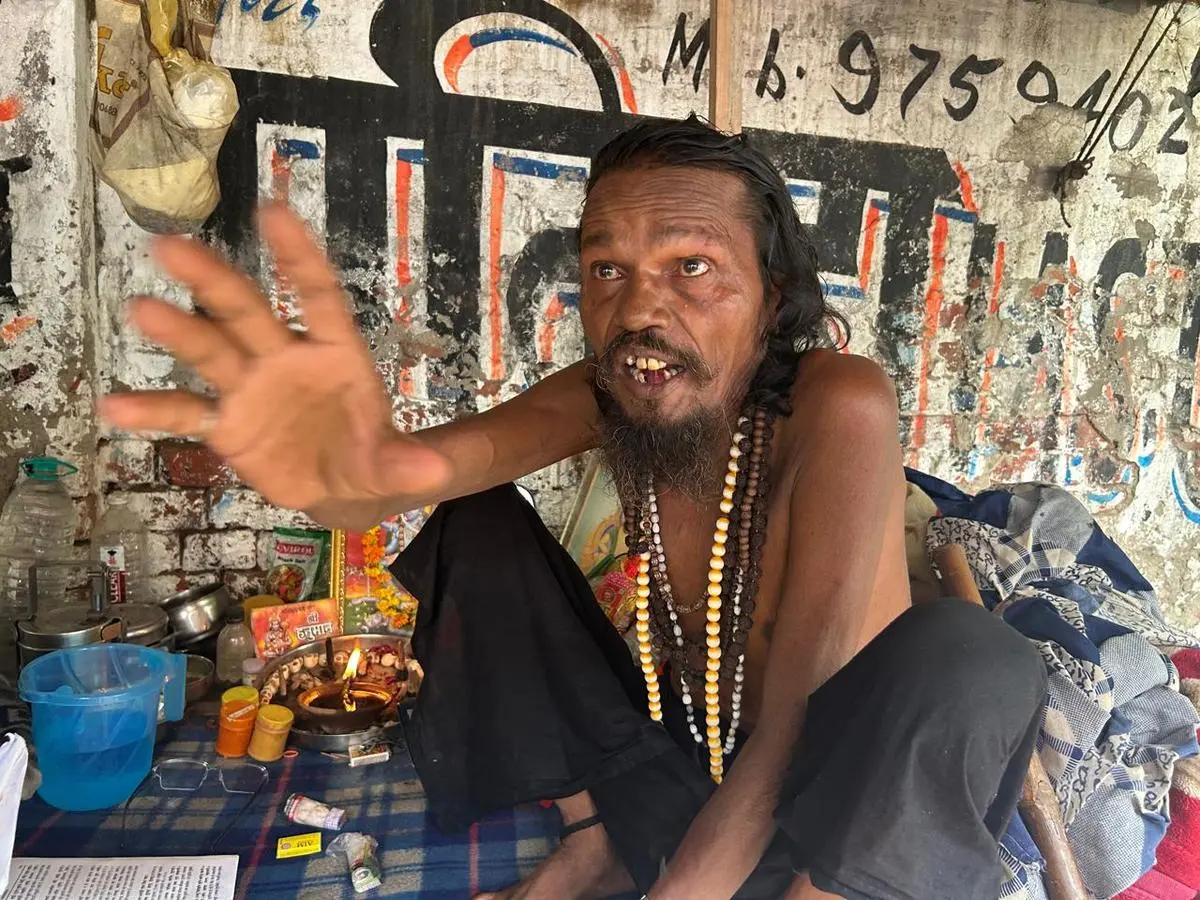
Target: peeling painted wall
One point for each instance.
(48, 308)
(1024, 348)
(439, 149)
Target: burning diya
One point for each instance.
(350, 703)
(344, 691)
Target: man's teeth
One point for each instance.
(653, 363)
(640, 365)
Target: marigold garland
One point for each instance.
(389, 601)
(372, 547)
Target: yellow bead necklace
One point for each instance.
(717, 749)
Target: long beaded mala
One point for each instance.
(733, 575)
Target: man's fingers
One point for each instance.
(230, 297)
(306, 270)
(193, 340)
(176, 412)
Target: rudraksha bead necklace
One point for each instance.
(733, 575)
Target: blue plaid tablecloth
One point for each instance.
(384, 800)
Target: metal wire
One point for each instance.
(1117, 84)
(1103, 123)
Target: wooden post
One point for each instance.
(724, 81)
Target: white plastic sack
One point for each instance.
(160, 111)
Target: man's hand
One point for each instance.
(302, 418)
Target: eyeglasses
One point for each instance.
(186, 776)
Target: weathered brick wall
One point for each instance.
(205, 523)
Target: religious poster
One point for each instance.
(593, 534)
(595, 538)
(372, 600)
(286, 626)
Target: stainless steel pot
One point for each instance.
(201, 675)
(70, 625)
(196, 612)
(145, 623)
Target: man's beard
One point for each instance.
(673, 455)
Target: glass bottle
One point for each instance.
(235, 643)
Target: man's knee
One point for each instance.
(966, 664)
(479, 543)
(497, 505)
(483, 527)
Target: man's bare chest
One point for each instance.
(687, 536)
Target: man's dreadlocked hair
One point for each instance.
(786, 256)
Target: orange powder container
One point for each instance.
(235, 727)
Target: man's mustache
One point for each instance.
(649, 339)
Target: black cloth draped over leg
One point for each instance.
(908, 770)
(529, 692)
(912, 759)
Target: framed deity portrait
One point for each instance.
(369, 598)
(593, 534)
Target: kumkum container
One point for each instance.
(240, 692)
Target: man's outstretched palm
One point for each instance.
(302, 418)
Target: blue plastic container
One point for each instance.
(95, 711)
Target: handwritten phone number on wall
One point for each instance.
(1037, 84)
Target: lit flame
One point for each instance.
(351, 669)
(348, 675)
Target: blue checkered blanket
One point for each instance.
(385, 800)
(1115, 723)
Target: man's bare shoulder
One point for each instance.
(831, 386)
(841, 404)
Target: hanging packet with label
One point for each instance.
(299, 564)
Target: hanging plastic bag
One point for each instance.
(161, 110)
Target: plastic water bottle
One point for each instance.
(235, 644)
(36, 524)
(119, 541)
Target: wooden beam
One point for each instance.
(724, 82)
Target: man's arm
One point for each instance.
(551, 421)
(846, 483)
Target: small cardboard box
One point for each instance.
(278, 629)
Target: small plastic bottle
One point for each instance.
(235, 643)
(119, 541)
(251, 669)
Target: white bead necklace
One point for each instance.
(717, 750)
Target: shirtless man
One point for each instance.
(849, 745)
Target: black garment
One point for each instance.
(908, 769)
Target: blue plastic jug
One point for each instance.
(95, 711)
